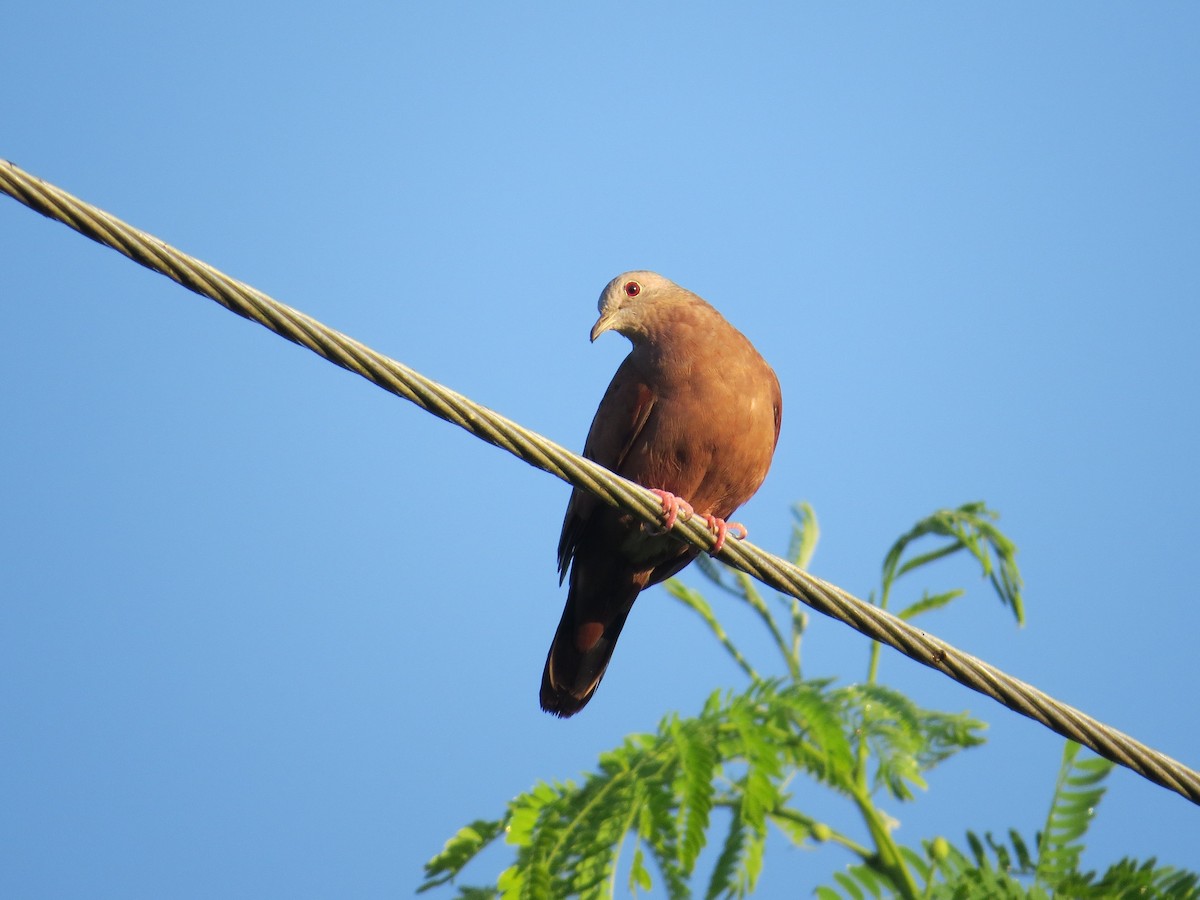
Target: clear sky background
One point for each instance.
(267, 631)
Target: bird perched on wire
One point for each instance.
(692, 413)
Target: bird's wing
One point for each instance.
(619, 420)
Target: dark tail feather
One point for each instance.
(571, 674)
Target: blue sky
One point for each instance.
(268, 631)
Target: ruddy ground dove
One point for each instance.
(693, 413)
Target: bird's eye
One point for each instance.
(632, 289)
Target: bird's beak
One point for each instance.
(603, 324)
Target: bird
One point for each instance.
(693, 414)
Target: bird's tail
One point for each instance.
(578, 657)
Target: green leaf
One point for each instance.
(694, 787)
(823, 748)
(695, 601)
(970, 527)
(849, 885)
(752, 860)
(915, 861)
(905, 740)
(805, 534)
(460, 850)
(1071, 810)
(1128, 878)
(796, 832)
(928, 603)
(638, 876)
(977, 850)
(931, 557)
(724, 877)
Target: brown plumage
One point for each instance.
(693, 410)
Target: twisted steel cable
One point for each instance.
(536, 450)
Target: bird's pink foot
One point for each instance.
(723, 529)
(672, 508)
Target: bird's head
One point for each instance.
(632, 302)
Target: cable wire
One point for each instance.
(538, 451)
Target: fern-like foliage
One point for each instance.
(904, 740)
(971, 528)
(993, 869)
(988, 867)
(460, 850)
(659, 791)
(1077, 792)
(654, 798)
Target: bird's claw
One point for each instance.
(672, 508)
(676, 508)
(723, 529)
